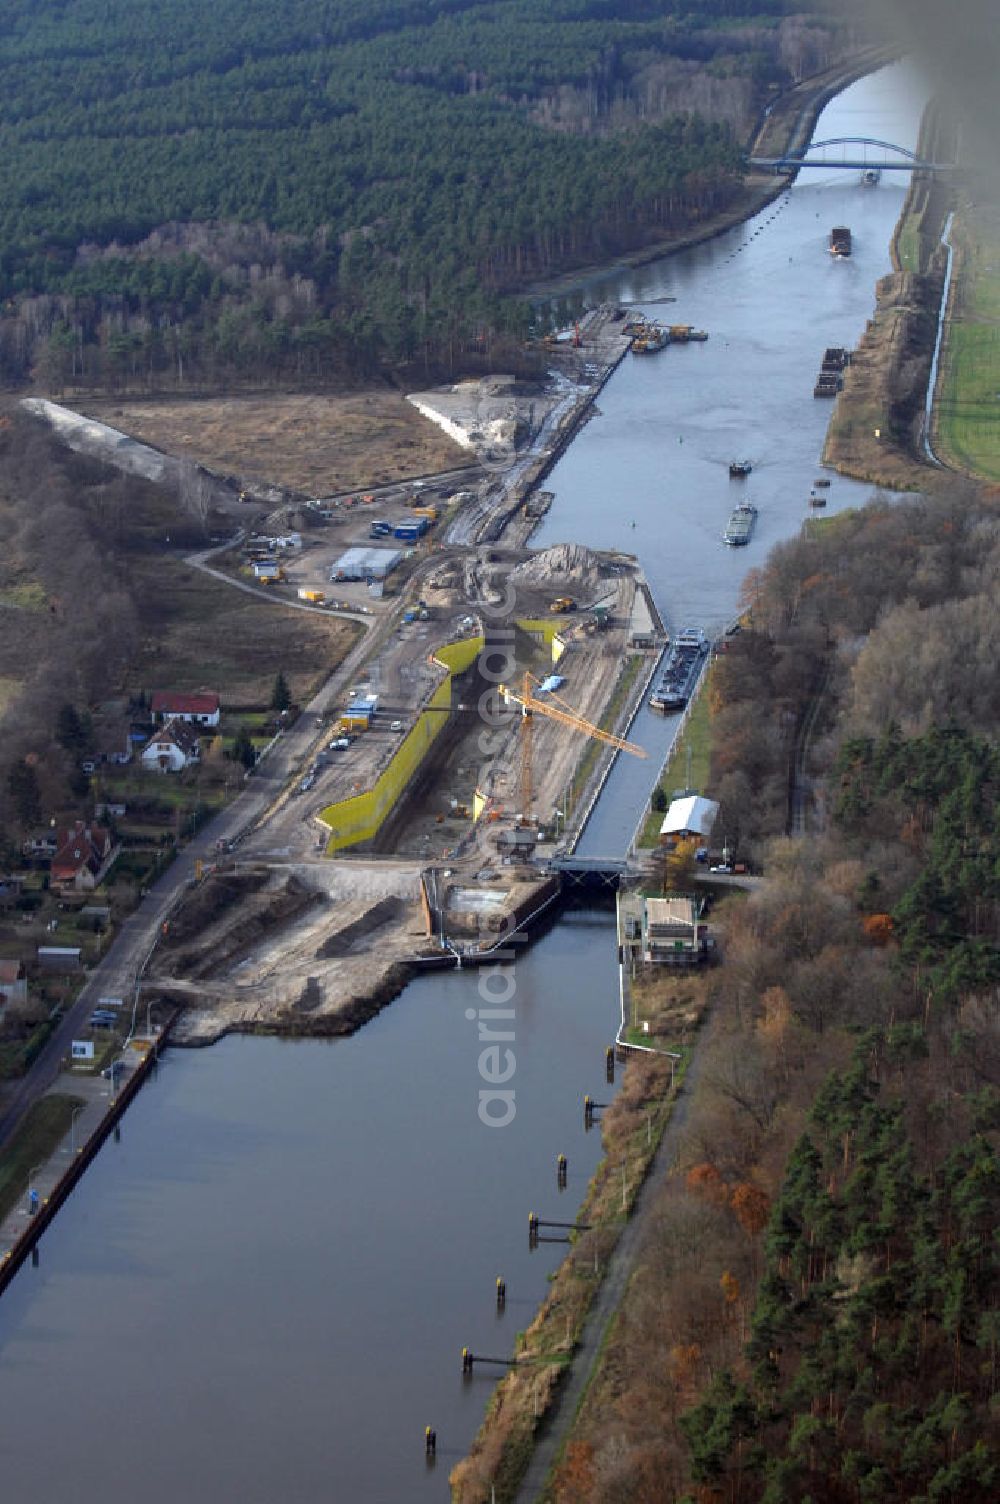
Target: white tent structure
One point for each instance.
(690, 816)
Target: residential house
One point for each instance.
(10, 889)
(689, 818)
(171, 748)
(84, 853)
(201, 709)
(13, 983)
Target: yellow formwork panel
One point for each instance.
(361, 817)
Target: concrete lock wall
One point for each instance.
(361, 817)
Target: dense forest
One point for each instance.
(258, 192)
(815, 1314)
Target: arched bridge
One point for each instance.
(855, 153)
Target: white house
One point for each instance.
(690, 817)
(171, 748)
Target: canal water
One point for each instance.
(651, 474)
(262, 1291)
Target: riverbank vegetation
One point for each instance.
(326, 191)
(813, 1311)
(631, 1130)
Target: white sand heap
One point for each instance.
(564, 561)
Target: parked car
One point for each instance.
(340, 744)
(396, 726)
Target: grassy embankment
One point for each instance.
(631, 1131)
(45, 1126)
(966, 427)
(694, 741)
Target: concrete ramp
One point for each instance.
(100, 442)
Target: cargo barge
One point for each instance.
(651, 339)
(680, 671)
(840, 241)
(740, 468)
(830, 380)
(741, 525)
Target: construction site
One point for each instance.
(454, 757)
(439, 794)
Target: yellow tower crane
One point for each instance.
(556, 709)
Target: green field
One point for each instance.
(696, 738)
(967, 413)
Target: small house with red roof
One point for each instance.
(83, 856)
(201, 709)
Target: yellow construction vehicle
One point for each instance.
(555, 709)
(563, 603)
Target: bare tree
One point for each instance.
(194, 488)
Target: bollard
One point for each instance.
(501, 1293)
(430, 1441)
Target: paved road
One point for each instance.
(117, 973)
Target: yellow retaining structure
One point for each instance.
(360, 818)
(546, 632)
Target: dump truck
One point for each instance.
(311, 597)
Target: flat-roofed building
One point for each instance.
(365, 564)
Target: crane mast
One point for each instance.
(554, 708)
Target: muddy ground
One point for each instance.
(308, 948)
(319, 445)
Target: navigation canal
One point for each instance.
(261, 1293)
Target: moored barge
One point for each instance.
(680, 671)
